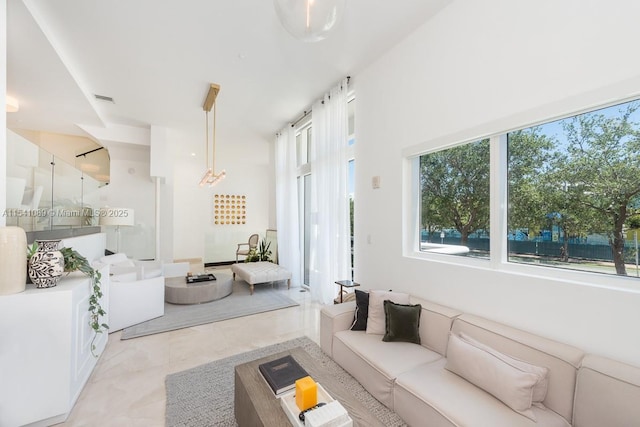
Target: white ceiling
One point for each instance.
(156, 58)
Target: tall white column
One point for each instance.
(3, 116)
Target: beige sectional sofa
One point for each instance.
(411, 379)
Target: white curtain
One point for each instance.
(330, 258)
(287, 203)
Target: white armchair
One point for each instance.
(120, 264)
(133, 298)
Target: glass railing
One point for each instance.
(46, 193)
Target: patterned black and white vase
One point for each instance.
(47, 264)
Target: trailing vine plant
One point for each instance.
(73, 261)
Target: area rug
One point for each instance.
(203, 396)
(239, 303)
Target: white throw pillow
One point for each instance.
(540, 389)
(127, 263)
(511, 385)
(376, 320)
(114, 258)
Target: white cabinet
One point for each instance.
(45, 350)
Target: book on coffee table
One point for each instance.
(200, 278)
(281, 374)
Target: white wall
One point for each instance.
(478, 68)
(3, 117)
(131, 186)
(248, 173)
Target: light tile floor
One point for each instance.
(127, 386)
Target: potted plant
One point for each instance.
(73, 261)
(262, 253)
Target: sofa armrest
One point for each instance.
(134, 302)
(334, 318)
(148, 269)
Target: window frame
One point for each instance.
(498, 258)
(303, 170)
(419, 207)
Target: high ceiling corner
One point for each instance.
(155, 59)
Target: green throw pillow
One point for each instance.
(402, 322)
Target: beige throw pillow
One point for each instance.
(376, 320)
(540, 389)
(511, 385)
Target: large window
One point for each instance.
(566, 194)
(574, 191)
(454, 203)
(303, 154)
(351, 180)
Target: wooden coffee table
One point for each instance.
(255, 404)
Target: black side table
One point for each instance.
(346, 284)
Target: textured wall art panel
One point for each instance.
(229, 209)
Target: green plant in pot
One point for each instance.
(73, 261)
(261, 253)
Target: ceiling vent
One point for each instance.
(104, 98)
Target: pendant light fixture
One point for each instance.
(309, 20)
(210, 177)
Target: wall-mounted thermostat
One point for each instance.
(375, 182)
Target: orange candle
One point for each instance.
(306, 393)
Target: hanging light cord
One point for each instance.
(206, 140)
(213, 155)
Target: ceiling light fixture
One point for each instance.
(12, 104)
(210, 177)
(309, 20)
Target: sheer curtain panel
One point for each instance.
(287, 203)
(330, 249)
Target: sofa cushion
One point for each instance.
(375, 363)
(402, 322)
(540, 387)
(376, 319)
(429, 395)
(435, 324)
(113, 259)
(562, 360)
(127, 263)
(607, 394)
(481, 368)
(124, 275)
(362, 311)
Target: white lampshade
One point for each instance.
(309, 20)
(116, 216)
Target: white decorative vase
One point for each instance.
(47, 264)
(13, 260)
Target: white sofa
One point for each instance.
(411, 379)
(136, 292)
(121, 265)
